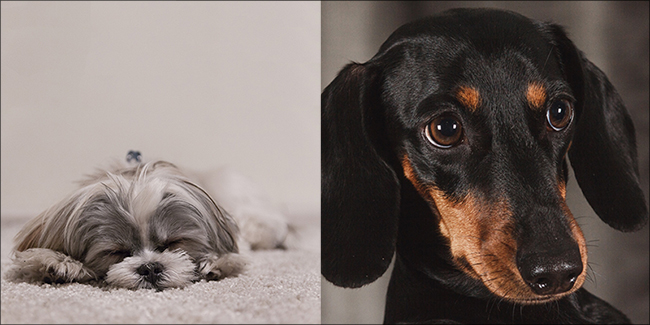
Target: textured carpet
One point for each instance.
(279, 286)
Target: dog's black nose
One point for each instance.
(548, 273)
(152, 271)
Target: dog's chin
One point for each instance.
(538, 300)
(153, 270)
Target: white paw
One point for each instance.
(218, 267)
(48, 266)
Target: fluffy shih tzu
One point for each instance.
(138, 225)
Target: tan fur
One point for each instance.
(469, 97)
(536, 95)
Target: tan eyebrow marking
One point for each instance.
(536, 95)
(469, 97)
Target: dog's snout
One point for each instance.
(548, 273)
(151, 271)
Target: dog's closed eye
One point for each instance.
(170, 245)
(118, 253)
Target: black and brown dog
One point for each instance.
(449, 147)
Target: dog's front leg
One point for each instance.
(49, 266)
(216, 267)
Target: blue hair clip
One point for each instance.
(133, 156)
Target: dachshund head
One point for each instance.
(451, 144)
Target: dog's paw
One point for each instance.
(218, 267)
(47, 266)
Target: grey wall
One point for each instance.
(200, 84)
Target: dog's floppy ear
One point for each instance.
(603, 153)
(359, 191)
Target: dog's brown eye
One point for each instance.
(445, 131)
(560, 114)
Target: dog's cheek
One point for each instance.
(481, 241)
(100, 264)
(480, 235)
(460, 224)
(122, 275)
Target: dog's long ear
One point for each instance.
(223, 228)
(46, 230)
(359, 191)
(603, 153)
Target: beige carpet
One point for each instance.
(280, 286)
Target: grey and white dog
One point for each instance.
(142, 225)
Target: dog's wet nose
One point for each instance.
(151, 271)
(547, 273)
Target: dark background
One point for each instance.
(613, 35)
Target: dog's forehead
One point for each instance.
(478, 52)
(441, 40)
(479, 26)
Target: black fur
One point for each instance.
(374, 114)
